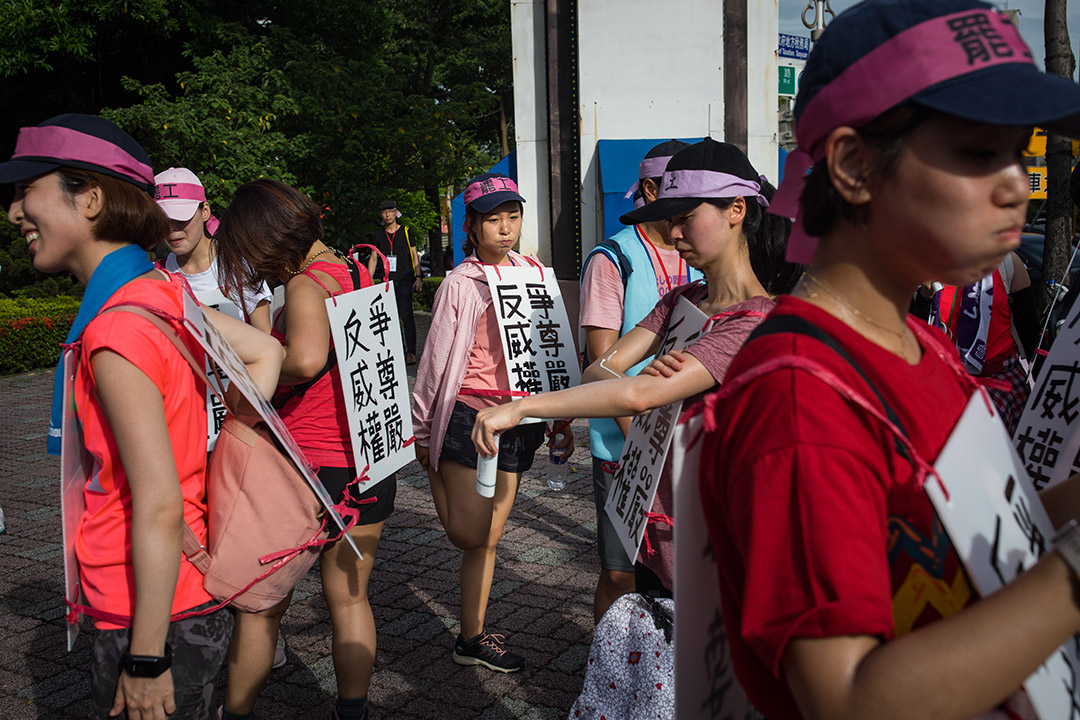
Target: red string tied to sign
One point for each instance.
(652, 518)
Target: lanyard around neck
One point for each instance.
(655, 251)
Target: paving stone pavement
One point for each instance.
(541, 597)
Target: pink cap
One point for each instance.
(179, 192)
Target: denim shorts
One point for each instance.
(517, 446)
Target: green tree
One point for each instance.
(223, 124)
(18, 278)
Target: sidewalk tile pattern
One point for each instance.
(541, 598)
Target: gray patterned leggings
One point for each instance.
(199, 645)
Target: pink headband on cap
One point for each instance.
(487, 186)
(186, 191)
(920, 57)
(484, 187)
(649, 167)
(58, 144)
(709, 184)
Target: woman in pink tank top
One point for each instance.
(273, 233)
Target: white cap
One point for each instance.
(178, 191)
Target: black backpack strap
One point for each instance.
(331, 357)
(777, 324)
(610, 248)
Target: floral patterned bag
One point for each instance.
(631, 671)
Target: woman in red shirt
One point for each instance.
(84, 201)
(272, 233)
(843, 597)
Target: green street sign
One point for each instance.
(787, 80)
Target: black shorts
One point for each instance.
(516, 446)
(334, 479)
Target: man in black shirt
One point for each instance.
(394, 242)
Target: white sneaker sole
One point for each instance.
(470, 660)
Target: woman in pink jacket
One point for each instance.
(462, 371)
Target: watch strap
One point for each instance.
(146, 666)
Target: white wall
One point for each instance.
(763, 30)
(647, 70)
(531, 124)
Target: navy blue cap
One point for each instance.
(1014, 94)
(78, 141)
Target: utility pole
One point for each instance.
(1059, 61)
(816, 20)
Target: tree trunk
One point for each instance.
(504, 143)
(1059, 61)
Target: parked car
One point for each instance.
(1031, 252)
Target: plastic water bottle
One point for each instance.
(486, 469)
(556, 479)
(3, 527)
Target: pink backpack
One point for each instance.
(265, 526)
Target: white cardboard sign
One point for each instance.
(997, 523)
(364, 324)
(76, 469)
(633, 488)
(215, 410)
(1047, 437)
(536, 334)
(704, 673)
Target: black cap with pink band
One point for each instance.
(959, 57)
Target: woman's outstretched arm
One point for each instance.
(609, 398)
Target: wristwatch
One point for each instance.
(1067, 543)
(146, 666)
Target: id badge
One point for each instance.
(392, 260)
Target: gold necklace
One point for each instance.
(829, 290)
(310, 260)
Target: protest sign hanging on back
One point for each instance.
(76, 469)
(215, 411)
(371, 360)
(536, 335)
(633, 487)
(1047, 437)
(704, 673)
(992, 513)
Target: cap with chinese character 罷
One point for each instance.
(959, 57)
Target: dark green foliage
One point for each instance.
(426, 297)
(32, 330)
(19, 279)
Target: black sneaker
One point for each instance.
(487, 649)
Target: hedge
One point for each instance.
(31, 331)
(423, 299)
